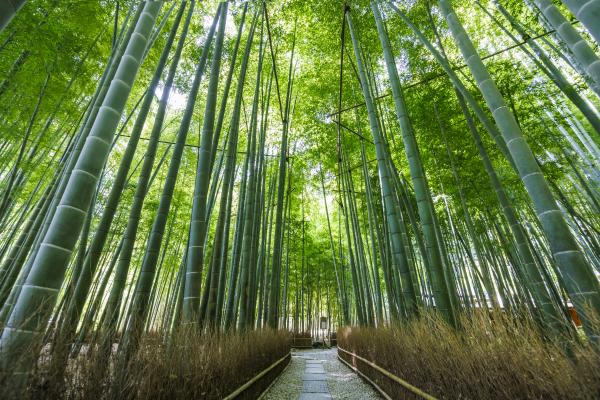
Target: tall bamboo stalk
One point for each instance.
(39, 293)
(199, 223)
(581, 284)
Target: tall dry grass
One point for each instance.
(189, 366)
(502, 358)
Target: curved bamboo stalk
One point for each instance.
(40, 291)
(581, 284)
(92, 257)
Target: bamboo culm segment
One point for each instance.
(39, 293)
(579, 279)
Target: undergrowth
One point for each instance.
(498, 358)
(188, 366)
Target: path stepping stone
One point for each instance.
(315, 387)
(314, 377)
(314, 382)
(315, 396)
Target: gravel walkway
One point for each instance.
(289, 383)
(316, 375)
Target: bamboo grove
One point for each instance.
(240, 166)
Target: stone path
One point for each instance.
(319, 375)
(314, 381)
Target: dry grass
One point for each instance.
(500, 359)
(191, 366)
